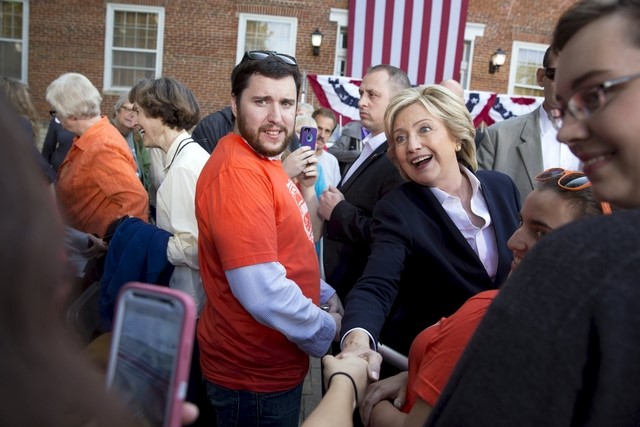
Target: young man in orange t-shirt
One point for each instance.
(262, 319)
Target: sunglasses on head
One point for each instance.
(571, 181)
(259, 55)
(550, 73)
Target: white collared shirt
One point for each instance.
(481, 239)
(554, 153)
(369, 145)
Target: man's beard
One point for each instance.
(253, 138)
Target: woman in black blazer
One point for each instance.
(439, 238)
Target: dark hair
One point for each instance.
(581, 201)
(167, 99)
(326, 112)
(398, 79)
(547, 57)
(44, 378)
(585, 12)
(270, 67)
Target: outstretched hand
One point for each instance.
(393, 388)
(357, 343)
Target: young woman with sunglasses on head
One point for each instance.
(561, 197)
(560, 344)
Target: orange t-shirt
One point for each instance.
(249, 212)
(97, 182)
(436, 350)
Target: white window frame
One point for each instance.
(516, 48)
(24, 63)
(471, 32)
(242, 31)
(341, 18)
(108, 45)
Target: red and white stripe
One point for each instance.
(422, 37)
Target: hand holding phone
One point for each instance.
(308, 136)
(151, 351)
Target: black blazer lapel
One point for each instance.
(380, 151)
(430, 204)
(494, 192)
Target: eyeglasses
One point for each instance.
(259, 55)
(550, 73)
(589, 101)
(571, 181)
(129, 109)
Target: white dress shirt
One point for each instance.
(481, 239)
(369, 145)
(554, 153)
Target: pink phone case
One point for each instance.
(154, 370)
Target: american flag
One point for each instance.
(422, 37)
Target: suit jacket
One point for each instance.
(347, 234)
(514, 147)
(421, 267)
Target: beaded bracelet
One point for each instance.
(355, 389)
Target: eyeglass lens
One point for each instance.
(550, 73)
(549, 173)
(573, 181)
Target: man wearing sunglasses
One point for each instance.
(524, 146)
(262, 319)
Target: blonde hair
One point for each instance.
(73, 95)
(304, 120)
(443, 104)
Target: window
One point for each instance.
(14, 31)
(133, 45)
(341, 17)
(266, 32)
(471, 32)
(525, 61)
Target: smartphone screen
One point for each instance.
(151, 352)
(308, 136)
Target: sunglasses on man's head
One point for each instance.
(259, 55)
(550, 73)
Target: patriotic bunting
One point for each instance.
(340, 94)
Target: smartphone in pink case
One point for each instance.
(150, 352)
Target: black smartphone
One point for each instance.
(308, 136)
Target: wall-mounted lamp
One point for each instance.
(497, 60)
(316, 41)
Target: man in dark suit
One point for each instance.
(347, 209)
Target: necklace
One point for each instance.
(179, 149)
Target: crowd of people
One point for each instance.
(504, 268)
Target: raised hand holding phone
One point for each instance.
(151, 351)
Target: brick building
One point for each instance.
(199, 41)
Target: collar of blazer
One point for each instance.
(377, 153)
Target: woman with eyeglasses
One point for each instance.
(560, 344)
(406, 399)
